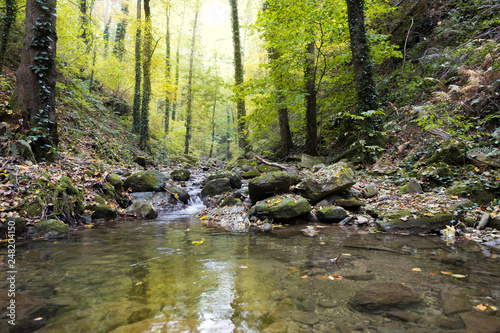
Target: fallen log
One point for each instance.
(260, 159)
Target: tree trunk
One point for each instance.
(177, 68)
(84, 22)
(36, 78)
(7, 22)
(121, 29)
(311, 122)
(213, 128)
(238, 76)
(168, 67)
(106, 36)
(363, 67)
(189, 111)
(146, 84)
(136, 112)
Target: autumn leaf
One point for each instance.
(446, 273)
(416, 269)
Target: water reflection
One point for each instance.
(148, 276)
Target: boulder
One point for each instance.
(145, 162)
(370, 191)
(179, 193)
(267, 185)
(216, 186)
(452, 152)
(230, 201)
(480, 323)
(350, 204)
(331, 214)
(102, 212)
(234, 179)
(413, 186)
(50, 229)
(404, 221)
(491, 158)
(331, 179)
(115, 181)
(285, 206)
(473, 190)
(228, 218)
(143, 209)
(379, 297)
(145, 181)
(180, 174)
(251, 174)
(308, 161)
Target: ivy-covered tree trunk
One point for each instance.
(189, 110)
(36, 78)
(121, 29)
(168, 67)
(105, 36)
(84, 21)
(8, 20)
(146, 84)
(310, 85)
(238, 75)
(363, 67)
(136, 108)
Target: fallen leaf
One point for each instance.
(38, 319)
(459, 276)
(138, 283)
(416, 269)
(322, 243)
(481, 307)
(446, 273)
(304, 277)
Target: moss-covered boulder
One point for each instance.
(143, 209)
(11, 224)
(115, 181)
(180, 175)
(268, 185)
(404, 221)
(103, 212)
(234, 179)
(331, 214)
(331, 179)
(145, 181)
(436, 175)
(308, 161)
(230, 201)
(50, 229)
(451, 152)
(251, 174)
(179, 193)
(472, 189)
(216, 187)
(285, 206)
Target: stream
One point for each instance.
(173, 274)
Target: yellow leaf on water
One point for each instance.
(322, 243)
(481, 307)
(203, 217)
(494, 308)
(459, 276)
(304, 277)
(416, 269)
(446, 273)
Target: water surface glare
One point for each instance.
(148, 276)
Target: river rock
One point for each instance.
(331, 179)
(115, 181)
(308, 161)
(180, 175)
(143, 209)
(230, 201)
(480, 323)
(234, 179)
(454, 301)
(350, 204)
(414, 223)
(331, 214)
(228, 218)
(102, 212)
(413, 186)
(146, 181)
(268, 184)
(145, 162)
(379, 297)
(28, 307)
(285, 206)
(216, 186)
(474, 190)
(308, 318)
(179, 193)
(370, 191)
(50, 229)
(251, 174)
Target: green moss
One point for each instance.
(67, 185)
(103, 212)
(51, 228)
(115, 181)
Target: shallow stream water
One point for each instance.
(149, 276)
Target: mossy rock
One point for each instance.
(230, 201)
(179, 193)
(268, 184)
(143, 209)
(452, 152)
(67, 185)
(34, 209)
(436, 175)
(50, 229)
(350, 204)
(285, 206)
(103, 212)
(146, 181)
(251, 174)
(421, 224)
(115, 181)
(331, 214)
(180, 174)
(216, 187)
(473, 190)
(12, 221)
(234, 179)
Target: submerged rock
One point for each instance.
(285, 206)
(179, 193)
(384, 296)
(228, 218)
(50, 229)
(103, 212)
(406, 222)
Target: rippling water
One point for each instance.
(148, 276)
